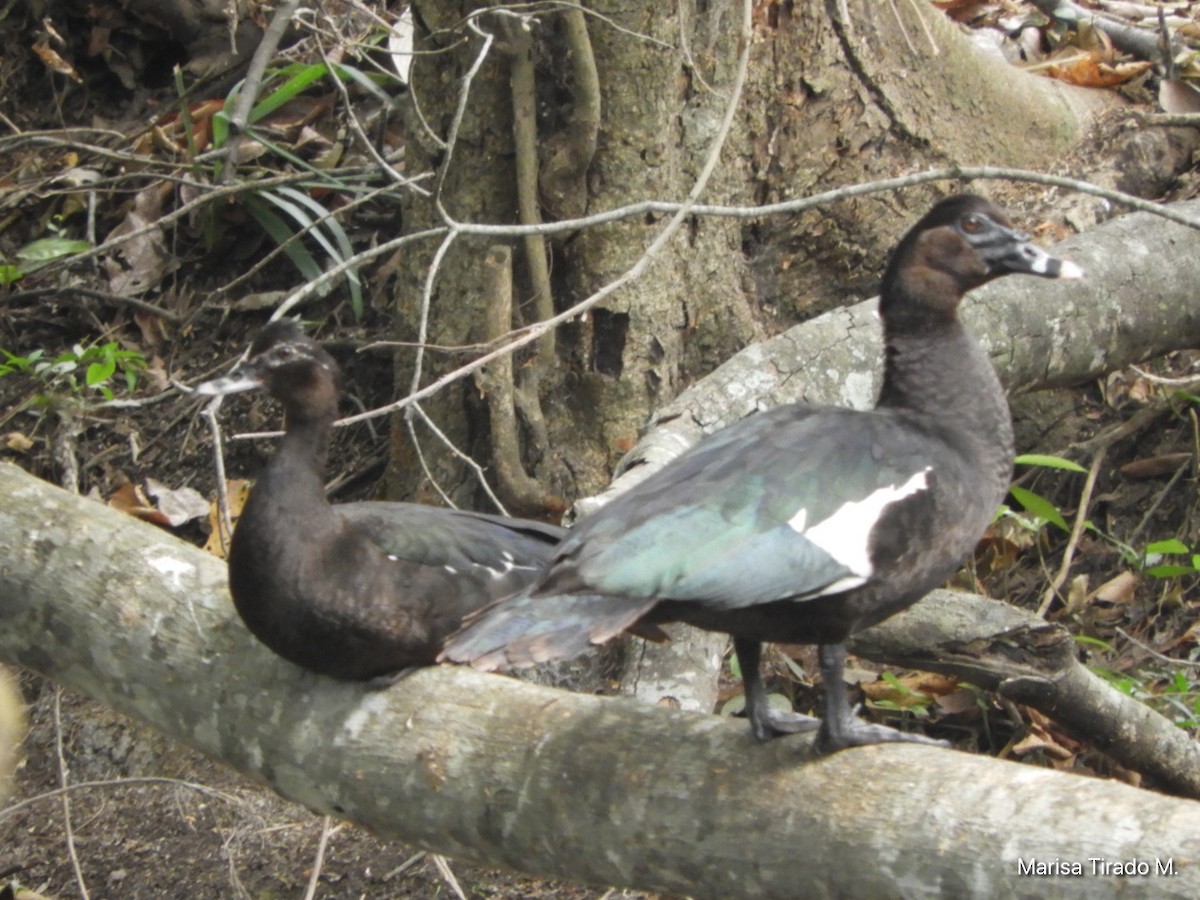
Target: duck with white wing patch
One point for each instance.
(804, 524)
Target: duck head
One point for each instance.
(963, 242)
(288, 365)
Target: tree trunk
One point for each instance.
(504, 773)
(837, 93)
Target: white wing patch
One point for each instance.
(846, 534)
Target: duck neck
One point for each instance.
(295, 477)
(943, 376)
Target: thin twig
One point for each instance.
(1085, 501)
(1187, 382)
(1158, 501)
(327, 830)
(682, 11)
(66, 799)
(475, 467)
(1170, 120)
(248, 94)
(224, 518)
(426, 302)
(114, 783)
(1143, 418)
(530, 333)
(405, 866)
(457, 119)
(1167, 660)
(364, 141)
(107, 297)
(444, 869)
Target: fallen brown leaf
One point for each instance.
(1088, 71)
(237, 490)
(17, 442)
(1121, 588)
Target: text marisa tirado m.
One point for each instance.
(1097, 865)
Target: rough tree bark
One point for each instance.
(837, 93)
(504, 773)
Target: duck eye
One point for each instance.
(972, 224)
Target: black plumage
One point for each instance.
(804, 524)
(357, 590)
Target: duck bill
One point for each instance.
(240, 379)
(1019, 254)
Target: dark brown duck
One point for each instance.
(805, 524)
(357, 590)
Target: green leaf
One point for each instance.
(1093, 642)
(338, 233)
(322, 226)
(1170, 571)
(282, 235)
(283, 198)
(49, 249)
(1038, 506)
(299, 82)
(1049, 462)
(9, 274)
(1170, 547)
(220, 124)
(99, 372)
(349, 73)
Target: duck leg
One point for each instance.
(766, 723)
(841, 728)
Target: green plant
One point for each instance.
(1153, 560)
(1175, 695)
(907, 699)
(288, 213)
(1038, 510)
(98, 364)
(39, 253)
(1181, 695)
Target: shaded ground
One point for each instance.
(197, 829)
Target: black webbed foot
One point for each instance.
(777, 723)
(841, 727)
(766, 723)
(854, 732)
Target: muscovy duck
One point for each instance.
(804, 524)
(363, 590)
